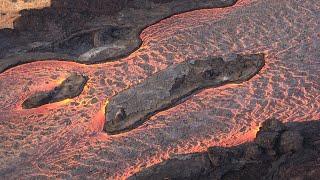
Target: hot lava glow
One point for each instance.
(65, 139)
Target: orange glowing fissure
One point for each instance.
(66, 138)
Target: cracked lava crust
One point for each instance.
(65, 139)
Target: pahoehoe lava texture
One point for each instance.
(279, 151)
(69, 88)
(131, 107)
(65, 140)
(89, 37)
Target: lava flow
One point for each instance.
(65, 139)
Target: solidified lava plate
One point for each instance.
(69, 88)
(130, 108)
(106, 31)
(65, 139)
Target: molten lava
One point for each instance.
(65, 139)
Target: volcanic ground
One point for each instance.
(66, 139)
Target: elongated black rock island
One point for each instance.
(69, 88)
(167, 88)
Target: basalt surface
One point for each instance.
(65, 140)
(279, 151)
(87, 31)
(69, 88)
(130, 108)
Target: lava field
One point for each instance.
(66, 138)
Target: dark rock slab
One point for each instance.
(93, 6)
(291, 141)
(69, 88)
(269, 136)
(272, 125)
(30, 57)
(165, 89)
(298, 160)
(90, 31)
(92, 46)
(225, 159)
(188, 166)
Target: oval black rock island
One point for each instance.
(130, 108)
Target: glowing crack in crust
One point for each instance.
(131, 107)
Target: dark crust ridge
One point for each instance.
(279, 151)
(165, 89)
(69, 88)
(88, 36)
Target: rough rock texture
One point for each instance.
(88, 31)
(269, 136)
(9, 9)
(133, 106)
(64, 141)
(93, 6)
(252, 160)
(183, 167)
(69, 88)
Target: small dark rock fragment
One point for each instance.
(94, 100)
(67, 122)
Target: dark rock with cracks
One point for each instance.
(88, 31)
(69, 88)
(298, 158)
(291, 141)
(130, 108)
(180, 167)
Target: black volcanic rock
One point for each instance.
(93, 6)
(267, 140)
(131, 107)
(298, 158)
(69, 88)
(272, 125)
(291, 141)
(226, 159)
(180, 167)
(253, 151)
(109, 41)
(269, 136)
(220, 155)
(89, 31)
